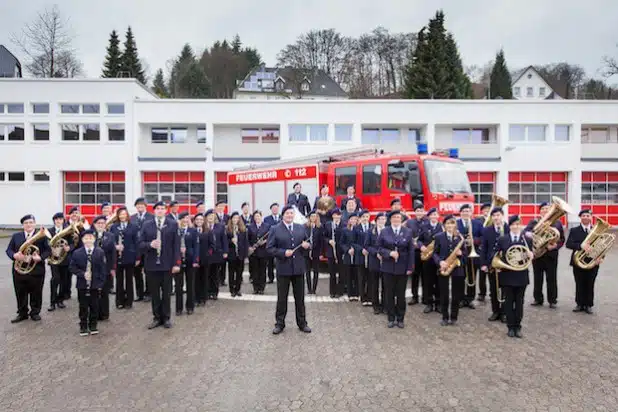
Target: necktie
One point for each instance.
(276, 218)
(450, 238)
(90, 254)
(364, 228)
(397, 232)
(159, 223)
(465, 224)
(290, 228)
(123, 226)
(516, 239)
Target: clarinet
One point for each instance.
(159, 228)
(183, 245)
(88, 276)
(120, 242)
(311, 242)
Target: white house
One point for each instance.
(529, 84)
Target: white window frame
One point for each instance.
(5, 132)
(343, 141)
(526, 134)
(6, 109)
(568, 136)
(32, 105)
(542, 91)
(517, 91)
(61, 113)
(380, 131)
(529, 91)
(97, 105)
(40, 141)
(490, 139)
(81, 133)
(109, 127)
(7, 180)
(307, 133)
(197, 135)
(588, 128)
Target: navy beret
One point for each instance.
(73, 209)
(393, 213)
(449, 217)
(198, 214)
(139, 200)
(173, 203)
(274, 204)
(323, 186)
(335, 211)
(159, 203)
(105, 204)
(355, 214)
(432, 210)
(485, 206)
(395, 200)
(182, 215)
(418, 205)
(234, 214)
(58, 215)
(209, 212)
(26, 217)
(286, 208)
(256, 212)
(464, 207)
(363, 212)
(88, 232)
(295, 184)
(514, 219)
(219, 202)
(583, 211)
(497, 210)
(121, 208)
(199, 203)
(542, 205)
(379, 215)
(100, 217)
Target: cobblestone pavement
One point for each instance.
(224, 358)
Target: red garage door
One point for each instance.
(528, 189)
(88, 190)
(184, 187)
(600, 193)
(483, 186)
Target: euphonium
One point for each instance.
(452, 261)
(325, 204)
(600, 243)
(57, 244)
(496, 201)
(29, 249)
(543, 234)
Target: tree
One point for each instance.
(500, 80)
(187, 78)
(131, 64)
(47, 44)
(158, 85)
(563, 77)
(595, 89)
(610, 66)
(113, 60)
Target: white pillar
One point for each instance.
(574, 187)
(357, 133)
(284, 142)
(430, 137)
(209, 168)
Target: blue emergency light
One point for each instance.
(421, 148)
(453, 153)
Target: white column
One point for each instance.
(430, 137)
(357, 133)
(209, 168)
(284, 142)
(132, 174)
(574, 186)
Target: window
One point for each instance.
(40, 132)
(201, 135)
(414, 136)
(40, 108)
(298, 133)
(318, 133)
(596, 135)
(15, 108)
(372, 179)
(253, 135)
(516, 91)
(69, 108)
(270, 135)
(472, 136)
(541, 91)
(529, 91)
(563, 131)
(536, 187)
(343, 132)
(89, 189)
(443, 176)
(91, 132)
(91, 108)
(70, 132)
(2, 176)
(389, 136)
(178, 135)
(250, 135)
(15, 132)
(312, 132)
(184, 187)
(304, 87)
(158, 135)
(344, 177)
(380, 136)
(530, 133)
(16, 176)
(370, 136)
(483, 186)
(221, 189)
(399, 176)
(600, 193)
(40, 176)
(115, 132)
(115, 108)
(1, 109)
(279, 85)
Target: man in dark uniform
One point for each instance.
(189, 254)
(299, 200)
(173, 214)
(547, 264)
(138, 220)
(332, 238)
(273, 219)
(470, 229)
(126, 236)
(361, 257)
(160, 244)
(223, 218)
(490, 237)
(284, 242)
(396, 207)
(245, 215)
(414, 224)
(106, 241)
(351, 195)
(59, 272)
(28, 287)
(482, 280)
(431, 291)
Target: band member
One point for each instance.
(105, 241)
(361, 255)
(325, 215)
(238, 247)
(126, 238)
(350, 210)
(349, 261)
(284, 242)
(490, 237)
(375, 264)
(173, 213)
(28, 286)
(397, 252)
(220, 211)
(214, 250)
(351, 195)
(584, 278)
(75, 218)
(396, 207)
(107, 211)
(314, 237)
(189, 253)
(258, 237)
(546, 264)
(272, 220)
(514, 283)
(161, 248)
(138, 219)
(89, 266)
(415, 224)
(332, 238)
(431, 291)
(299, 200)
(246, 216)
(471, 230)
(59, 271)
(482, 280)
(201, 207)
(201, 271)
(447, 243)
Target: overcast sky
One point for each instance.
(531, 31)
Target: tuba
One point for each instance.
(57, 244)
(543, 234)
(29, 249)
(600, 243)
(325, 205)
(496, 201)
(452, 261)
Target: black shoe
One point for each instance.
(94, 331)
(428, 309)
(444, 322)
(377, 311)
(332, 296)
(552, 306)
(503, 318)
(19, 318)
(119, 306)
(154, 324)
(277, 330)
(51, 308)
(391, 324)
(437, 309)
(511, 333)
(128, 307)
(494, 317)
(83, 332)
(233, 294)
(578, 309)
(167, 324)
(104, 318)
(413, 302)
(400, 324)
(305, 329)
(588, 310)
(215, 297)
(224, 284)
(189, 311)
(35, 318)
(147, 298)
(60, 305)
(139, 299)
(111, 292)
(178, 312)
(238, 294)
(271, 281)
(480, 298)
(536, 303)
(518, 334)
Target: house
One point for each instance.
(9, 65)
(274, 83)
(529, 84)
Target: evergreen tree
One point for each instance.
(113, 60)
(236, 44)
(130, 58)
(187, 79)
(500, 79)
(158, 85)
(253, 57)
(458, 82)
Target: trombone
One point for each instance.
(470, 271)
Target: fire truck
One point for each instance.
(438, 180)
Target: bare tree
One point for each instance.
(47, 44)
(610, 66)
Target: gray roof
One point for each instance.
(265, 79)
(8, 63)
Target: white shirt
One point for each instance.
(587, 229)
(515, 238)
(396, 230)
(89, 251)
(28, 234)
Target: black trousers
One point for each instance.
(377, 289)
(201, 283)
(160, 284)
(28, 290)
(395, 290)
(365, 281)
(482, 282)
(235, 269)
(298, 290)
(56, 285)
(312, 273)
(545, 266)
(271, 269)
(104, 298)
(584, 286)
(141, 282)
(469, 290)
(417, 275)
(214, 279)
(66, 282)
(124, 285)
(496, 305)
(336, 281)
(431, 292)
(514, 305)
(257, 266)
(223, 266)
(88, 308)
(185, 276)
(457, 290)
(351, 276)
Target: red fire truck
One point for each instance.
(438, 179)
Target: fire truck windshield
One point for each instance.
(445, 177)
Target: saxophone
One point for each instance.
(88, 276)
(159, 228)
(183, 245)
(452, 261)
(428, 253)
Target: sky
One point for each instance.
(530, 31)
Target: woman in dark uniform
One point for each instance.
(258, 259)
(214, 244)
(201, 272)
(314, 237)
(238, 246)
(375, 265)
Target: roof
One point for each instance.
(558, 88)
(262, 80)
(84, 80)
(6, 52)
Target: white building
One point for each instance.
(529, 84)
(81, 142)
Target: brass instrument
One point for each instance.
(183, 244)
(88, 277)
(452, 261)
(517, 259)
(258, 244)
(600, 243)
(111, 221)
(325, 204)
(57, 244)
(29, 249)
(543, 234)
(471, 255)
(76, 229)
(496, 201)
(299, 218)
(159, 229)
(428, 253)
(334, 245)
